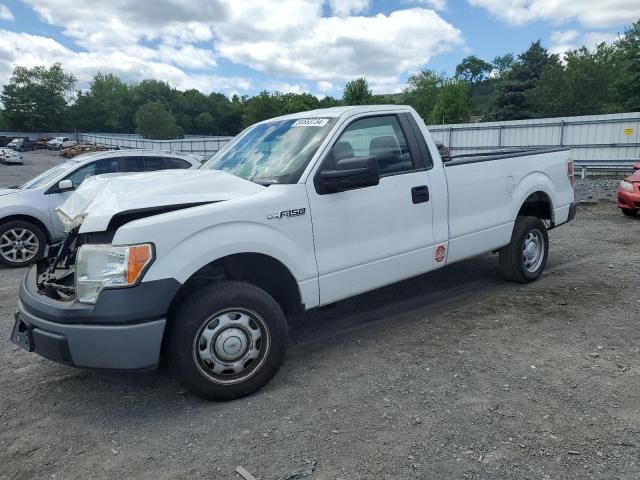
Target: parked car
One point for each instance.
(27, 213)
(59, 143)
(41, 142)
(629, 193)
(4, 140)
(10, 157)
(296, 212)
(21, 144)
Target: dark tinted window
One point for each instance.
(131, 164)
(153, 163)
(96, 168)
(177, 163)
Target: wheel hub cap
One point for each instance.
(231, 344)
(18, 245)
(533, 251)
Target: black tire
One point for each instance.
(22, 226)
(514, 264)
(196, 315)
(629, 212)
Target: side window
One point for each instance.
(79, 175)
(174, 163)
(380, 137)
(153, 163)
(96, 168)
(131, 164)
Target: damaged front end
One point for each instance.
(56, 271)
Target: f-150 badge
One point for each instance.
(296, 212)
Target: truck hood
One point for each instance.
(102, 197)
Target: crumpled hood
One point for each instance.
(8, 191)
(101, 197)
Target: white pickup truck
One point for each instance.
(296, 212)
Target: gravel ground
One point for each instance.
(453, 374)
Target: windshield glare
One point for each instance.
(273, 152)
(46, 177)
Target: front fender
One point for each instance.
(187, 256)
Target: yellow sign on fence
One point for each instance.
(628, 131)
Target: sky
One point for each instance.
(246, 46)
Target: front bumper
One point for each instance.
(630, 200)
(122, 331)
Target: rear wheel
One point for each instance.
(227, 340)
(524, 259)
(21, 243)
(629, 212)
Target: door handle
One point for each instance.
(420, 194)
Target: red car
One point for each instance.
(629, 193)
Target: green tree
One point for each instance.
(261, 107)
(502, 64)
(453, 103)
(582, 85)
(154, 121)
(205, 123)
(473, 69)
(512, 100)
(36, 99)
(104, 107)
(627, 84)
(357, 92)
(328, 102)
(422, 91)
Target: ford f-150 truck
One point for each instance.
(295, 213)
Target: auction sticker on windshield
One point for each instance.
(310, 122)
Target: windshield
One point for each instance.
(273, 152)
(49, 175)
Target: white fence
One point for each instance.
(597, 141)
(203, 147)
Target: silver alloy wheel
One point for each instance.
(231, 345)
(533, 251)
(19, 245)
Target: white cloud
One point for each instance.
(5, 13)
(566, 40)
(380, 47)
(435, 4)
(172, 39)
(31, 50)
(344, 8)
(324, 86)
(589, 13)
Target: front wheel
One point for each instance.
(629, 212)
(21, 243)
(227, 340)
(524, 259)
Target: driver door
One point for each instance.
(373, 236)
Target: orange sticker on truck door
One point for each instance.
(441, 253)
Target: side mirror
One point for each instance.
(349, 174)
(636, 166)
(65, 185)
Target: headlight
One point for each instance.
(106, 266)
(626, 186)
